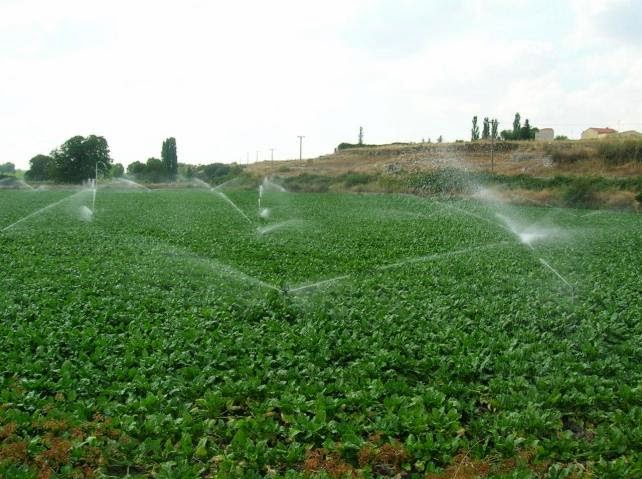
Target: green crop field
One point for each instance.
(168, 334)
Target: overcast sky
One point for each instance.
(228, 78)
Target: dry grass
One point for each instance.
(618, 200)
(526, 158)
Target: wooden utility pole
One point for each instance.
(492, 153)
(301, 147)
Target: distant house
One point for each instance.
(545, 134)
(597, 133)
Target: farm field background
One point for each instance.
(168, 335)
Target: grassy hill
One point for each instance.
(591, 173)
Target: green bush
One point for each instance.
(308, 183)
(345, 146)
(448, 181)
(353, 178)
(581, 193)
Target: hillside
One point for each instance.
(587, 174)
(542, 159)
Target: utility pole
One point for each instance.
(492, 153)
(301, 147)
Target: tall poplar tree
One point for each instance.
(517, 127)
(474, 133)
(486, 129)
(169, 158)
(494, 125)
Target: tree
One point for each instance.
(474, 133)
(517, 127)
(78, 158)
(507, 135)
(440, 139)
(360, 136)
(117, 171)
(41, 168)
(169, 158)
(525, 132)
(486, 129)
(136, 168)
(494, 125)
(8, 167)
(155, 170)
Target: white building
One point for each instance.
(545, 134)
(591, 133)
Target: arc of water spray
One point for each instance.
(41, 210)
(263, 230)
(211, 263)
(474, 215)
(430, 257)
(557, 273)
(216, 188)
(317, 284)
(233, 205)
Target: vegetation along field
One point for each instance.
(195, 333)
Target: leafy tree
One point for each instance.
(169, 158)
(8, 167)
(136, 168)
(494, 125)
(41, 168)
(77, 158)
(474, 133)
(486, 129)
(561, 137)
(155, 170)
(507, 135)
(528, 132)
(117, 171)
(440, 139)
(517, 127)
(525, 132)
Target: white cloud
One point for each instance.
(227, 78)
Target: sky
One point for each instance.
(232, 79)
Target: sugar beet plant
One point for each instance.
(365, 336)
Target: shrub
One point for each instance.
(581, 193)
(353, 178)
(447, 181)
(308, 183)
(345, 146)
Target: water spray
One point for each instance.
(233, 205)
(42, 210)
(557, 273)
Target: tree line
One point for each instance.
(158, 170)
(81, 158)
(490, 127)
